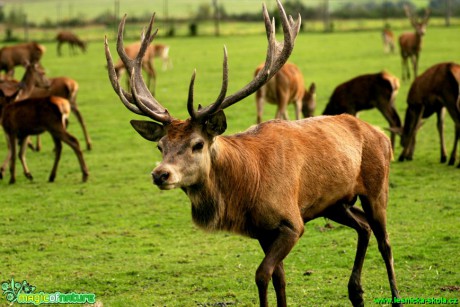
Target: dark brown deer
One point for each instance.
(70, 38)
(67, 88)
(367, 92)
(147, 63)
(34, 74)
(34, 116)
(410, 43)
(287, 86)
(19, 54)
(434, 91)
(388, 40)
(267, 182)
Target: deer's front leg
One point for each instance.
(276, 244)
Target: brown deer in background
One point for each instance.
(367, 92)
(287, 86)
(20, 54)
(34, 74)
(34, 116)
(70, 38)
(67, 88)
(162, 52)
(147, 63)
(388, 39)
(434, 91)
(267, 182)
(410, 43)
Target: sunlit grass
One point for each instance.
(131, 244)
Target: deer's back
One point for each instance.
(34, 115)
(360, 93)
(318, 161)
(288, 82)
(437, 81)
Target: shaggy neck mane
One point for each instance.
(217, 203)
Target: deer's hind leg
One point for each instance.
(23, 142)
(356, 219)
(375, 210)
(64, 136)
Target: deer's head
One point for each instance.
(187, 146)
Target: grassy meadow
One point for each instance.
(121, 238)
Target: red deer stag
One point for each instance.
(67, 88)
(388, 39)
(34, 116)
(285, 87)
(70, 38)
(410, 43)
(20, 54)
(259, 183)
(147, 63)
(437, 89)
(366, 92)
(162, 52)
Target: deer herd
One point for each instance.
(256, 183)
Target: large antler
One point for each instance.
(414, 18)
(277, 55)
(140, 101)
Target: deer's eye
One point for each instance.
(198, 146)
(160, 148)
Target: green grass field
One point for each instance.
(119, 237)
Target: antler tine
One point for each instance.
(125, 97)
(141, 94)
(277, 55)
(190, 108)
(141, 100)
(211, 109)
(410, 16)
(427, 15)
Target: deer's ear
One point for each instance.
(216, 124)
(149, 130)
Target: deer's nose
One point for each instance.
(160, 177)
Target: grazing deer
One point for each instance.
(20, 54)
(70, 38)
(366, 92)
(410, 43)
(147, 63)
(34, 116)
(388, 39)
(434, 91)
(67, 88)
(162, 51)
(287, 86)
(267, 182)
